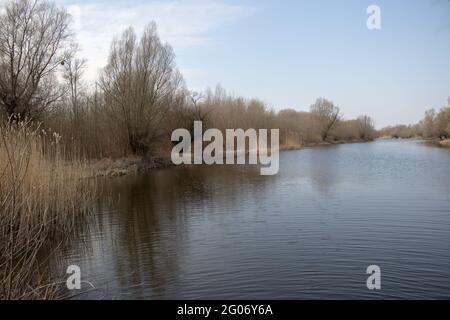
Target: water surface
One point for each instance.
(310, 232)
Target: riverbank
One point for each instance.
(128, 165)
(437, 142)
(445, 143)
(137, 165)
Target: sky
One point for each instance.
(288, 53)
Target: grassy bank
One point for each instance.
(42, 195)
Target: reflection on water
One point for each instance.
(309, 232)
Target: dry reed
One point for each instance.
(42, 195)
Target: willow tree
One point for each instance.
(326, 116)
(33, 35)
(140, 84)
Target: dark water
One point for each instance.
(308, 233)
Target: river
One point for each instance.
(310, 232)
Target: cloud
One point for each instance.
(2, 6)
(182, 23)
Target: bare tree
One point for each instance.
(327, 115)
(366, 128)
(198, 114)
(428, 124)
(73, 76)
(447, 116)
(32, 36)
(140, 83)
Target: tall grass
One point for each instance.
(42, 195)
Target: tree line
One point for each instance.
(139, 98)
(434, 125)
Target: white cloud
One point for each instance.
(183, 23)
(2, 6)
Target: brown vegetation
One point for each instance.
(140, 96)
(131, 111)
(41, 197)
(32, 37)
(435, 125)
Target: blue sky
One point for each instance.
(288, 53)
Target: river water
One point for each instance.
(310, 232)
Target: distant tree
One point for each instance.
(428, 124)
(447, 117)
(366, 128)
(73, 72)
(327, 115)
(399, 131)
(33, 34)
(441, 123)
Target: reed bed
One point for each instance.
(42, 197)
